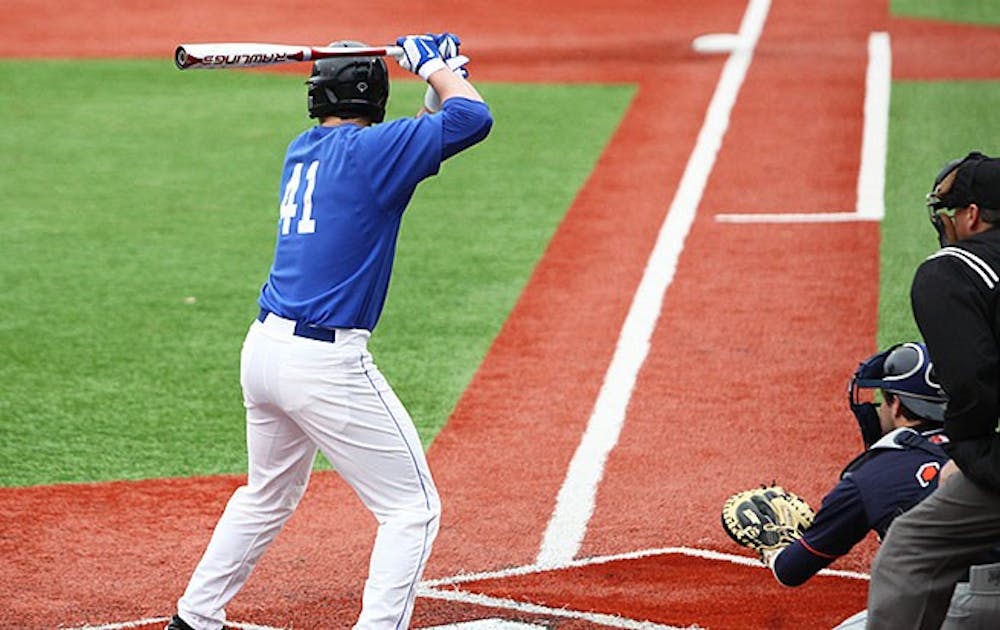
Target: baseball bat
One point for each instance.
(251, 55)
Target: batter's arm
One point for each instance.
(449, 84)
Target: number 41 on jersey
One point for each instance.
(289, 209)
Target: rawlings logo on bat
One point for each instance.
(245, 59)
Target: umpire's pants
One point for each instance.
(926, 551)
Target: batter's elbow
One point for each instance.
(484, 127)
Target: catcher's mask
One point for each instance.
(349, 87)
(974, 179)
(904, 370)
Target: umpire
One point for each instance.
(955, 303)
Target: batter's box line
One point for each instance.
(870, 205)
(610, 621)
(705, 554)
(141, 623)
(448, 588)
(802, 217)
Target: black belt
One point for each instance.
(305, 329)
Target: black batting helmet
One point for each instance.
(349, 87)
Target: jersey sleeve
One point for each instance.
(840, 523)
(400, 154)
(464, 123)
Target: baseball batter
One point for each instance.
(309, 382)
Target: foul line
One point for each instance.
(870, 204)
(575, 502)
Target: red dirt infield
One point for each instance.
(718, 391)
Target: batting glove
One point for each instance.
(420, 55)
(432, 102)
(447, 44)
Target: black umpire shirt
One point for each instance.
(954, 297)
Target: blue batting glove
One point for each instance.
(420, 55)
(447, 44)
(457, 65)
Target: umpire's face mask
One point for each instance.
(953, 190)
(937, 204)
(945, 228)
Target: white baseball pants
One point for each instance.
(302, 395)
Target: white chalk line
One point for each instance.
(575, 501)
(706, 554)
(488, 624)
(139, 623)
(123, 625)
(449, 588)
(610, 621)
(875, 138)
(804, 217)
(870, 205)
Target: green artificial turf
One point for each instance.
(137, 225)
(930, 123)
(972, 11)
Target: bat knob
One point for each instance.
(181, 57)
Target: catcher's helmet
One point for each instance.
(906, 371)
(349, 87)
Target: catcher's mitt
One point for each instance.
(767, 518)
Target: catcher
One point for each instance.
(899, 467)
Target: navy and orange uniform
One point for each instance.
(892, 476)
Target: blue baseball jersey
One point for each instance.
(342, 196)
(895, 474)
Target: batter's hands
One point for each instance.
(432, 102)
(447, 44)
(420, 55)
